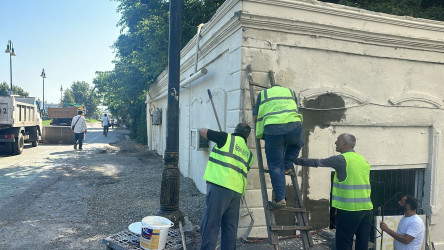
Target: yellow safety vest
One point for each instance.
(228, 166)
(353, 194)
(277, 106)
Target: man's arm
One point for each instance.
(203, 133)
(84, 125)
(336, 162)
(404, 239)
(256, 107)
(220, 138)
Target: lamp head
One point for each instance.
(8, 50)
(43, 73)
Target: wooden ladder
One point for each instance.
(301, 220)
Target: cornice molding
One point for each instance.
(356, 13)
(322, 30)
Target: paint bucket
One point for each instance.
(154, 232)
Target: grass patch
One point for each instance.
(92, 120)
(46, 122)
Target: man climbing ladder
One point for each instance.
(279, 109)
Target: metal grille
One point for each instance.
(389, 185)
(387, 188)
(128, 240)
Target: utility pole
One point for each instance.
(43, 75)
(61, 99)
(170, 185)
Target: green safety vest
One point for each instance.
(277, 106)
(353, 194)
(228, 166)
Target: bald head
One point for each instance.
(345, 142)
(349, 139)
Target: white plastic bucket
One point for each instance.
(154, 232)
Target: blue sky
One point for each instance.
(71, 39)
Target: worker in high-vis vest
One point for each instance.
(350, 193)
(280, 125)
(226, 177)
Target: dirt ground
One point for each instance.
(53, 197)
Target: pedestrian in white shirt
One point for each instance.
(410, 232)
(78, 125)
(105, 124)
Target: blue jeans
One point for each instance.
(281, 151)
(78, 137)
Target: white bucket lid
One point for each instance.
(157, 222)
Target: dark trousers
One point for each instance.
(350, 223)
(221, 212)
(105, 129)
(78, 137)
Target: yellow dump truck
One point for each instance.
(20, 123)
(60, 131)
(62, 116)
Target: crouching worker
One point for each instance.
(226, 176)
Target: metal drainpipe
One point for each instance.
(196, 59)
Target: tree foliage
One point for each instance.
(81, 92)
(142, 54)
(4, 88)
(428, 9)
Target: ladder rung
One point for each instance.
(287, 173)
(290, 228)
(289, 209)
(258, 85)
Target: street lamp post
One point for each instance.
(43, 75)
(10, 50)
(169, 190)
(61, 99)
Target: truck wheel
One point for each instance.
(18, 145)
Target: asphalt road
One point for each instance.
(19, 171)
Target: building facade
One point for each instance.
(377, 76)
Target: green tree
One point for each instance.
(81, 92)
(4, 88)
(67, 96)
(142, 54)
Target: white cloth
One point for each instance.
(80, 124)
(413, 226)
(105, 121)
